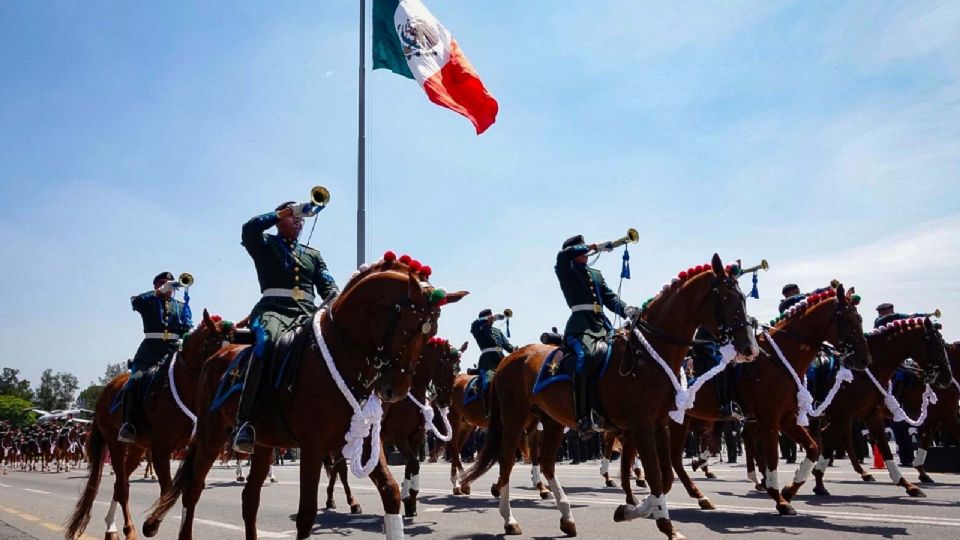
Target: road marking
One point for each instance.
(40, 491)
(4, 485)
(52, 526)
(229, 526)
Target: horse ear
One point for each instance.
(466, 344)
(413, 286)
(841, 295)
(453, 297)
(717, 266)
(928, 324)
(207, 321)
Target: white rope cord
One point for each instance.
(685, 397)
(366, 418)
(899, 415)
(427, 410)
(804, 399)
(176, 395)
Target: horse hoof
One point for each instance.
(789, 492)
(667, 528)
(512, 529)
(409, 508)
(786, 510)
(925, 479)
(619, 514)
(241, 479)
(568, 527)
(356, 509)
(465, 489)
(641, 483)
(868, 478)
(705, 504)
(611, 483)
(711, 475)
(151, 527)
(545, 495)
(914, 491)
(495, 491)
(331, 505)
(760, 487)
(457, 491)
(111, 536)
(819, 490)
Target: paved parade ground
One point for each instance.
(33, 505)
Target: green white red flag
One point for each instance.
(408, 40)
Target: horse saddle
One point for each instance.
(145, 386)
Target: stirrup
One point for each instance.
(127, 433)
(586, 427)
(244, 439)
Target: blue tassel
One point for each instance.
(261, 337)
(508, 327)
(187, 314)
(625, 271)
(755, 293)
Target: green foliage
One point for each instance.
(89, 396)
(11, 385)
(15, 410)
(112, 371)
(56, 390)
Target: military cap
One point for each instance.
(162, 275)
(886, 306)
(284, 205)
(573, 241)
(485, 313)
(789, 287)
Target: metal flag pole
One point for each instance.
(361, 146)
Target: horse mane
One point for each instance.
(804, 306)
(389, 262)
(898, 326)
(684, 277)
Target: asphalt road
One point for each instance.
(35, 504)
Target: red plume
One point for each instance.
(389, 256)
(426, 271)
(682, 275)
(405, 259)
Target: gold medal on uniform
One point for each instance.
(297, 294)
(167, 335)
(597, 308)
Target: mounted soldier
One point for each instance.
(492, 343)
(586, 294)
(289, 273)
(165, 321)
(705, 355)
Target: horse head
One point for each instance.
(724, 310)
(919, 339)
(387, 313)
(207, 338)
(446, 369)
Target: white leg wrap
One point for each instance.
(822, 463)
(705, 455)
(803, 471)
(660, 508)
(773, 482)
(405, 489)
(642, 511)
(535, 475)
(393, 527)
(110, 520)
(505, 510)
(454, 480)
(604, 467)
(637, 464)
(920, 458)
(563, 504)
(894, 470)
(239, 469)
(415, 482)
(752, 475)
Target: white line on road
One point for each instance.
(40, 491)
(4, 485)
(231, 527)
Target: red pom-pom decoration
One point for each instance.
(216, 318)
(682, 274)
(831, 293)
(426, 271)
(389, 256)
(405, 259)
(415, 265)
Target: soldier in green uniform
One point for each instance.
(492, 343)
(288, 273)
(586, 293)
(165, 321)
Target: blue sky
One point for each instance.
(822, 136)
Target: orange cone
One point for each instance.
(877, 459)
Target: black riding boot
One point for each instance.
(728, 409)
(128, 432)
(581, 403)
(245, 436)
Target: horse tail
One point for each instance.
(490, 453)
(96, 448)
(181, 481)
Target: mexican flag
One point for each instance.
(408, 40)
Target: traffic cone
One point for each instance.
(877, 459)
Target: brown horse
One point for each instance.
(612, 444)
(944, 414)
(768, 391)
(860, 399)
(404, 424)
(366, 344)
(632, 393)
(165, 427)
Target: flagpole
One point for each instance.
(361, 146)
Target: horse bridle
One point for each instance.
(454, 361)
(935, 345)
(844, 347)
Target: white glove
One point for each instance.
(305, 210)
(631, 312)
(169, 287)
(607, 247)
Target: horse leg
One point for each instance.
(769, 440)
(329, 465)
(627, 459)
(205, 455)
(311, 463)
(130, 464)
(812, 456)
(852, 456)
(456, 465)
(645, 438)
(259, 466)
(876, 427)
(411, 479)
(240, 477)
(550, 441)
(390, 497)
(678, 436)
(160, 460)
(608, 441)
(638, 471)
(749, 434)
(353, 503)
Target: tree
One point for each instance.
(11, 385)
(56, 390)
(89, 396)
(112, 371)
(15, 410)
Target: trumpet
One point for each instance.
(762, 266)
(935, 313)
(507, 313)
(632, 237)
(319, 195)
(186, 279)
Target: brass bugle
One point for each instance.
(935, 313)
(762, 266)
(507, 313)
(320, 195)
(186, 279)
(632, 237)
